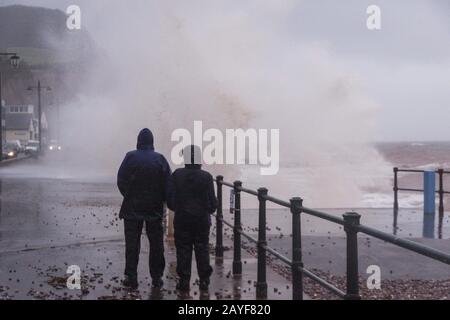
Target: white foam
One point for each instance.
(384, 200)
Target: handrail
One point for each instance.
(350, 221)
(407, 244)
(278, 201)
(422, 170)
(323, 215)
(441, 192)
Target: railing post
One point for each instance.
(395, 224)
(441, 202)
(441, 192)
(261, 283)
(395, 190)
(429, 203)
(219, 217)
(440, 225)
(237, 263)
(351, 220)
(297, 275)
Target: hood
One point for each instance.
(145, 140)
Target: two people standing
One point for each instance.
(146, 183)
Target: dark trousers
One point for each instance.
(133, 231)
(192, 234)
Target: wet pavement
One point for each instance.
(47, 225)
(41, 274)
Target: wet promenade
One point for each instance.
(48, 225)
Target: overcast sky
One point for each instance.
(404, 67)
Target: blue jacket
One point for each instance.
(142, 180)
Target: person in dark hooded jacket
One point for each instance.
(191, 196)
(142, 180)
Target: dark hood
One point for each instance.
(145, 140)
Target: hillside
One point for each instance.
(41, 29)
(48, 50)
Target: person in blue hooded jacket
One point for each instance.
(142, 180)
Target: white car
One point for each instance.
(32, 147)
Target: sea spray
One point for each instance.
(230, 65)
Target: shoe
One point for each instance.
(130, 282)
(184, 295)
(156, 294)
(183, 290)
(204, 295)
(157, 283)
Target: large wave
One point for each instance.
(231, 65)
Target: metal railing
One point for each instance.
(441, 192)
(350, 222)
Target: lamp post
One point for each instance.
(39, 88)
(14, 60)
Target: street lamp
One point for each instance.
(39, 88)
(14, 60)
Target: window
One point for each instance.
(18, 109)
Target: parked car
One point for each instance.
(13, 146)
(32, 147)
(16, 145)
(8, 152)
